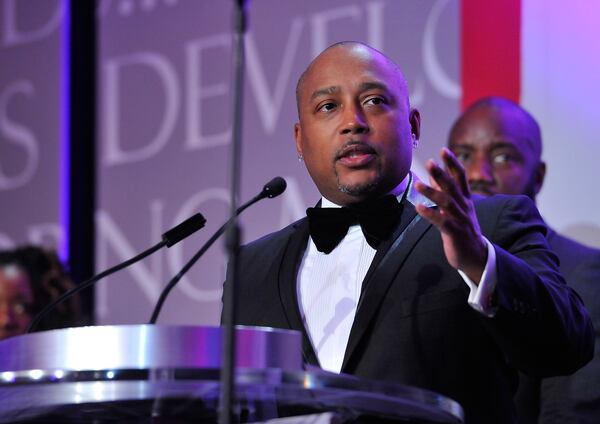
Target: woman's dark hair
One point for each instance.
(48, 280)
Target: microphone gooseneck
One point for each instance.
(272, 189)
(174, 235)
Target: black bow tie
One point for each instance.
(328, 226)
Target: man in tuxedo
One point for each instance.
(500, 146)
(393, 279)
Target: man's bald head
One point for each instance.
(500, 145)
(512, 113)
(350, 45)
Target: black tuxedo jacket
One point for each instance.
(413, 324)
(574, 398)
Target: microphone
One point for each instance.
(271, 189)
(171, 237)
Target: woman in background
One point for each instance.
(30, 278)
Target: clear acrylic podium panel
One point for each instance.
(163, 374)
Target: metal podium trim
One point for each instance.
(130, 373)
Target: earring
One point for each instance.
(300, 157)
(415, 141)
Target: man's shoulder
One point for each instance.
(275, 238)
(499, 200)
(563, 242)
(509, 208)
(573, 254)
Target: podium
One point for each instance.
(170, 374)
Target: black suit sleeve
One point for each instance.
(541, 324)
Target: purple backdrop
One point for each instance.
(30, 122)
(165, 120)
(164, 112)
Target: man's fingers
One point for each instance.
(438, 218)
(440, 198)
(445, 183)
(431, 214)
(456, 169)
(433, 183)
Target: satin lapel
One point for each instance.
(388, 259)
(408, 214)
(288, 274)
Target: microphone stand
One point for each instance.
(272, 189)
(171, 237)
(233, 232)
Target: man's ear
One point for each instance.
(539, 175)
(414, 117)
(298, 137)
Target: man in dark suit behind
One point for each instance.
(434, 288)
(500, 145)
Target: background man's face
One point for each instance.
(15, 301)
(496, 154)
(354, 130)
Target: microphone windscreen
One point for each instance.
(274, 187)
(186, 228)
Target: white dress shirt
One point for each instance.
(329, 287)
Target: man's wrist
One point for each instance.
(474, 269)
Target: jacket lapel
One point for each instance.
(386, 263)
(288, 275)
